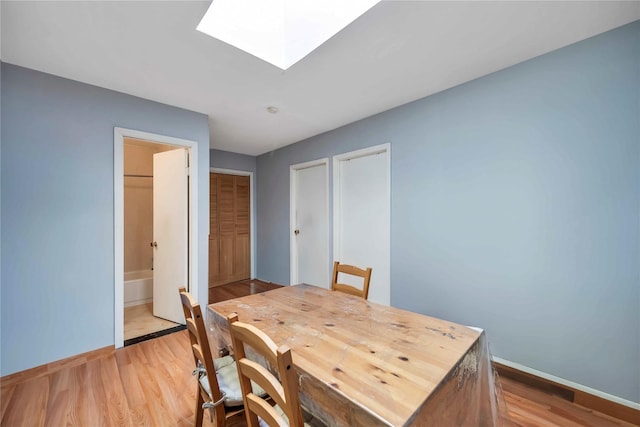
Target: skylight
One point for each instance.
(281, 32)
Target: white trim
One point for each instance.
(293, 258)
(376, 149)
(118, 216)
(568, 383)
(118, 237)
(252, 216)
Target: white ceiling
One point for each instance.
(397, 52)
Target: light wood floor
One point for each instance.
(139, 320)
(150, 384)
(531, 407)
(239, 289)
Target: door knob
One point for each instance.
(154, 244)
(296, 232)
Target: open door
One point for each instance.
(170, 231)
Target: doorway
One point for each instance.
(231, 227)
(151, 180)
(309, 223)
(362, 215)
(155, 232)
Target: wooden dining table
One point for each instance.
(365, 364)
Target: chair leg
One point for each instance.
(199, 411)
(219, 419)
(219, 416)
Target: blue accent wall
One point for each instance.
(228, 160)
(515, 207)
(57, 210)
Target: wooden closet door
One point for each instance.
(243, 236)
(229, 241)
(214, 265)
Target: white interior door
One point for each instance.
(310, 225)
(170, 231)
(362, 219)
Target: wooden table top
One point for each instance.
(360, 363)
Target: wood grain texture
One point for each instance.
(359, 363)
(532, 407)
(146, 384)
(66, 396)
(202, 359)
(608, 407)
(61, 393)
(230, 221)
(50, 368)
(239, 289)
(571, 394)
(281, 385)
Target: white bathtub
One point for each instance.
(138, 287)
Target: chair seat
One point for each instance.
(222, 362)
(229, 382)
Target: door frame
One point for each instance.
(252, 214)
(119, 134)
(293, 258)
(337, 228)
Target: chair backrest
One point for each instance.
(202, 352)
(354, 271)
(284, 392)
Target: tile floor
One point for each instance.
(139, 320)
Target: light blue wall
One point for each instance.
(515, 207)
(57, 210)
(0, 217)
(227, 160)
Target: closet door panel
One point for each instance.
(230, 243)
(242, 261)
(243, 229)
(214, 253)
(227, 226)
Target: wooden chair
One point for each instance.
(284, 392)
(218, 384)
(354, 271)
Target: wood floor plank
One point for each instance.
(153, 395)
(115, 394)
(81, 409)
(5, 397)
(27, 404)
(96, 402)
(527, 404)
(60, 404)
(138, 406)
(239, 289)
